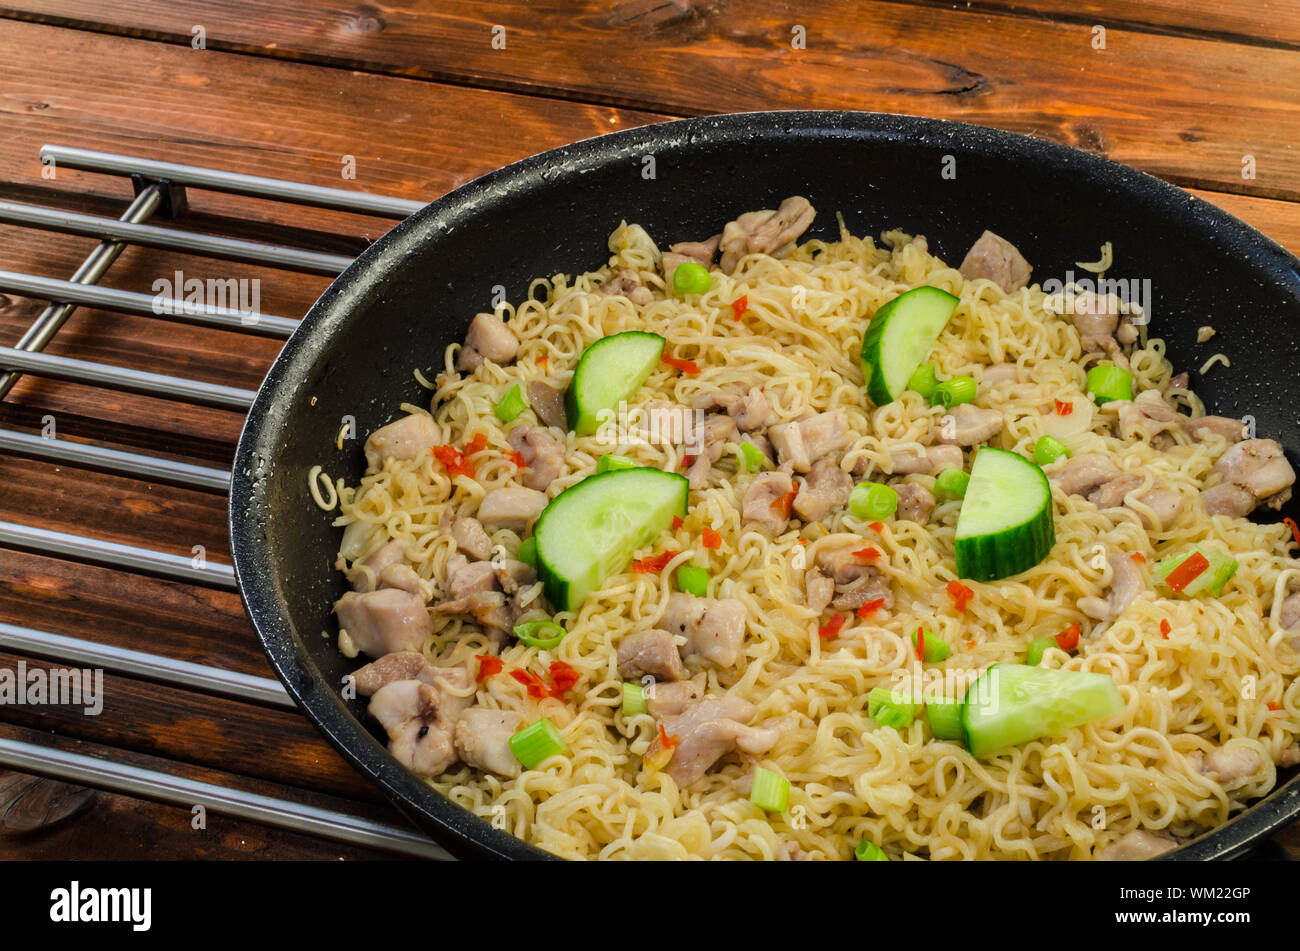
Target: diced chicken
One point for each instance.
(1254, 471)
(392, 553)
(543, 456)
(716, 432)
(486, 591)
(967, 425)
(547, 403)
(1167, 503)
(1176, 382)
(714, 628)
(819, 589)
(1126, 583)
(488, 339)
(768, 502)
(511, 508)
(751, 411)
(455, 685)
(1095, 477)
(801, 443)
(1136, 846)
(1288, 613)
(1000, 374)
(669, 424)
(471, 538)
(928, 460)
(667, 699)
(419, 735)
(824, 489)
(710, 729)
(407, 438)
(1290, 755)
(1082, 475)
(627, 283)
(700, 252)
(1228, 764)
(873, 586)
(652, 652)
(405, 578)
(483, 739)
(1233, 430)
(383, 621)
(996, 259)
(915, 502)
(1147, 416)
(765, 232)
(835, 557)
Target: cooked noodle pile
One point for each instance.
(1223, 673)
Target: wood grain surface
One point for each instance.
(418, 100)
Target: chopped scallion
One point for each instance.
(754, 457)
(1048, 449)
(634, 701)
(545, 635)
(770, 790)
(511, 405)
(890, 709)
(693, 580)
(1037, 647)
(873, 500)
(935, 648)
(536, 742)
(692, 278)
(952, 483)
(1109, 382)
(944, 717)
(923, 381)
(1180, 573)
(958, 390)
(869, 852)
(612, 462)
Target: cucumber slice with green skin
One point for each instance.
(944, 717)
(1005, 525)
(900, 337)
(591, 530)
(609, 372)
(1012, 704)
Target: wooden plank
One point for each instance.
(1185, 108)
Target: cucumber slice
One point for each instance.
(1011, 704)
(1005, 524)
(609, 372)
(944, 717)
(590, 530)
(899, 338)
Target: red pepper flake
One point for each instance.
(1187, 572)
(784, 505)
(1068, 639)
(970, 644)
(689, 367)
(1165, 628)
(517, 457)
(1274, 705)
(1140, 558)
(453, 460)
(1295, 529)
(710, 539)
(488, 666)
(476, 445)
(677, 522)
(959, 593)
(665, 741)
(653, 564)
(544, 359)
(536, 687)
(920, 644)
(877, 527)
(1063, 407)
(563, 678)
(867, 554)
(687, 461)
(739, 306)
(831, 628)
(871, 607)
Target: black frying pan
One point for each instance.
(415, 290)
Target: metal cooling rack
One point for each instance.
(160, 191)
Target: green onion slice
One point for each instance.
(770, 790)
(634, 701)
(754, 457)
(1048, 449)
(611, 462)
(1212, 579)
(960, 389)
(692, 278)
(511, 405)
(542, 634)
(952, 483)
(693, 580)
(1108, 382)
(869, 852)
(890, 709)
(873, 500)
(936, 649)
(536, 742)
(1037, 648)
(923, 381)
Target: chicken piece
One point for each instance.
(488, 339)
(455, 685)
(652, 652)
(404, 577)
(483, 739)
(835, 557)
(380, 622)
(915, 502)
(710, 729)
(801, 443)
(1228, 764)
(669, 699)
(1126, 583)
(543, 456)
(420, 737)
(765, 232)
(1167, 503)
(716, 432)
(547, 403)
(1136, 846)
(1112, 494)
(700, 252)
(967, 425)
(824, 489)
(819, 589)
(486, 591)
(1082, 475)
(515, 509)
(471, 538)
(751, 411)
(407, 438)
(1233, 430)
(1254, 471)
(714, 628)
(670, 424)
(929, 460)
(391, 553)
(1147, 416)
(1288, 616)
(768, 502)
(996, 259)
(1094, 477)
(627, 283)
(1000, 374)
(873, 586)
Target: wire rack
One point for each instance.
(160, 192)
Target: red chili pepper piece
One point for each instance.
(831, 628)
(1274, 705)
(1063, 407)
(653, 564)
(517, 457)
(677, 522)
(960, 594)
(689, 367)
(453, 460)
(1295, 529)
(739, 306)
(867, 554)
(1140, 558)
(710, 539)
(920, 644)
(563, 678)
(476, 445)
(488, 666)
(871, 607)
(784, 505)
(666, 741)
(1165, 628)
(1187, 572)
(544, 359)
(1068, 639)
(877, 527)
(536, 688)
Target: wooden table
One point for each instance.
(421, 97)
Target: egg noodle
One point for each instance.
(1223, 674)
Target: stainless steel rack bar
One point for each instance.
(160, 191)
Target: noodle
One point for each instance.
(1221, 675)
